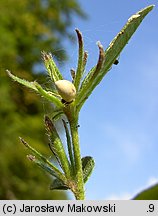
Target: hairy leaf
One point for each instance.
(51, 67)
(87, 167)
(26, 83)
(111, 54)
(57, 145)
(42, 161)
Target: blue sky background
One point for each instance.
(119, 122)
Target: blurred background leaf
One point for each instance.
(27, 28)
(150, 193)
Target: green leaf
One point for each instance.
(69, 145)
(50, 96)
(52, 69)
(57, 146)
(57, 184)
(111, 54)
(42, 165)
(148, 194)
(87, 167)
(81, 61)
(43, 162)
(26, 83)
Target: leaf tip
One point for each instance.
(98, 43)
(23, 141)
(79, 35)
(9, 73)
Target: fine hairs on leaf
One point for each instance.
(51, 67)
(43, 160)
(111, 54)
(68, 98)
(57, 145)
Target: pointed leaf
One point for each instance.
(43, 160)
(87, 167)
(81, 60)
(26, 83)
(95, 70)
(50, 96)
(57, 145)
(42, 165)
(148, 194)
(69, 145)
(52, 69)
(111, 54)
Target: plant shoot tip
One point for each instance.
(99, 44)
(23, 141)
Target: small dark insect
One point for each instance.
(116, 62)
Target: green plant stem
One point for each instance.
(78, 163)
(72, 116)
(69, 147)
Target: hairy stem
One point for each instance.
(72, 116)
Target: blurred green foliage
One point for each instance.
(27, 28)
(150, 193)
